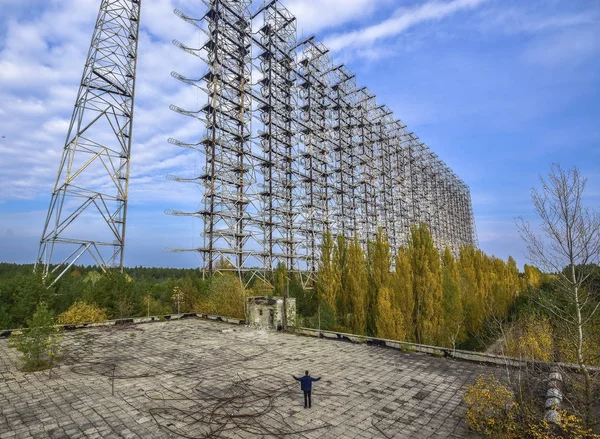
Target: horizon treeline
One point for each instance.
(417, 294)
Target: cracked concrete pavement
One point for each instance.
(196, 378)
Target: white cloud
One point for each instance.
(403, 19)
(41, 61)
(318, 15)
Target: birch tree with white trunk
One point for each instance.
(570, 238)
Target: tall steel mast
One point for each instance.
(88, 207)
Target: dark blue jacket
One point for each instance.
(306, 382)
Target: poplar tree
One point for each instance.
(340, 255)
(532, 276)
(512, 276)
(357, 284)
(482, 286)
(402, 287)
(494, 300)
(380, 261)
(427, 285)
(389, 320)
(468, 287)
(453, 330)
(327, 275)
(280, 276)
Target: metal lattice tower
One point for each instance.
(88, 207)
(300, 150)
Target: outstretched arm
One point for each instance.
(316, 379)
(297, 379)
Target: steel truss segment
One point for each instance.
(88, 206)
(279, 187)
(314, 160)
(228, 178)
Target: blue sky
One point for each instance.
(498, 89)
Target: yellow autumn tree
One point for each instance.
(530, 338)
(402, 287)
(226, 297)
(483, 285)
(472, 308)
(339, 261)
(453, 331)
(389, 319)
(533, 276)
(328, 277)
(427, 285)
(380, 261)
(512, 277)
(82, 312)
(498, 299)
(356, 286)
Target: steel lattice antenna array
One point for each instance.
(88, 208)
(301, 150)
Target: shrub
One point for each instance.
(530, 338)
(491, 407)
(82, 312)
(39, 342)
(226, 297)
(493, 413)
(569, 426)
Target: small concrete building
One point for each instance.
(267, 312)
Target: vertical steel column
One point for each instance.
(398, 205)
(314, 157)
(383, 162)
(277, 114)
(227, 178)
(342, 90)
(367, 209)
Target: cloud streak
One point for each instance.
(401, 21)
(318, 15)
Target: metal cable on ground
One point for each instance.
(245, 405)
(248, 405)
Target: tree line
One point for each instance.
(416, 295)
(137, 291)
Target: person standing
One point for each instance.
(306, 386)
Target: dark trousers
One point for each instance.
(307, 401)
